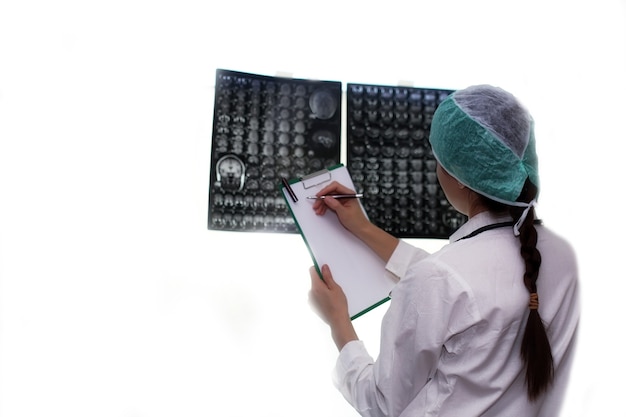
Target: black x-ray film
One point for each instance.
(265, 128)
(391, 162)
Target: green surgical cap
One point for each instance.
(484, 138)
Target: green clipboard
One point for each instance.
(355, 267)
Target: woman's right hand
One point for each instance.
(348, 210)
(353, 218)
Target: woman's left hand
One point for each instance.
(330, 303)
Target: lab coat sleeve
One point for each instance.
(403, 256)
(354, 378)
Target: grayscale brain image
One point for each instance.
(264, 129)
(391, 162)
(268, 128)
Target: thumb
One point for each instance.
(317, 280)
(328, 277)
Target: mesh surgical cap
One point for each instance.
(484, 138)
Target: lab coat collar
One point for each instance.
(481, 219)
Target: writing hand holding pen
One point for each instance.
(353, 218)
(348, 210)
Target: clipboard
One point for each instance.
(355, 267)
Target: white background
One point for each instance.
(115, 300)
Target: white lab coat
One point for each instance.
(450, 341)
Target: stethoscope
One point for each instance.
(493, 226)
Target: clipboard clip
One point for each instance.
(316, 178)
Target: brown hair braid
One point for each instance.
(535, 351)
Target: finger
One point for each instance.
(319, 207)
(328, 189)
(313, 272)
(332, 203)
(335, 188)
(328, 277)
(316, 279)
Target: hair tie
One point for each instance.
(533, 304)
(522, 218)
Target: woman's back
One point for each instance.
(485, 356)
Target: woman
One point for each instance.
(465, 333)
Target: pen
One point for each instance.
(321, 197)
(289, 189)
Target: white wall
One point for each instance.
(114, 298)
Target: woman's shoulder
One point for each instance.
(551, 243)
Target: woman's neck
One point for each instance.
(476, 204)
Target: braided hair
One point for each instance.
(535, 351)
